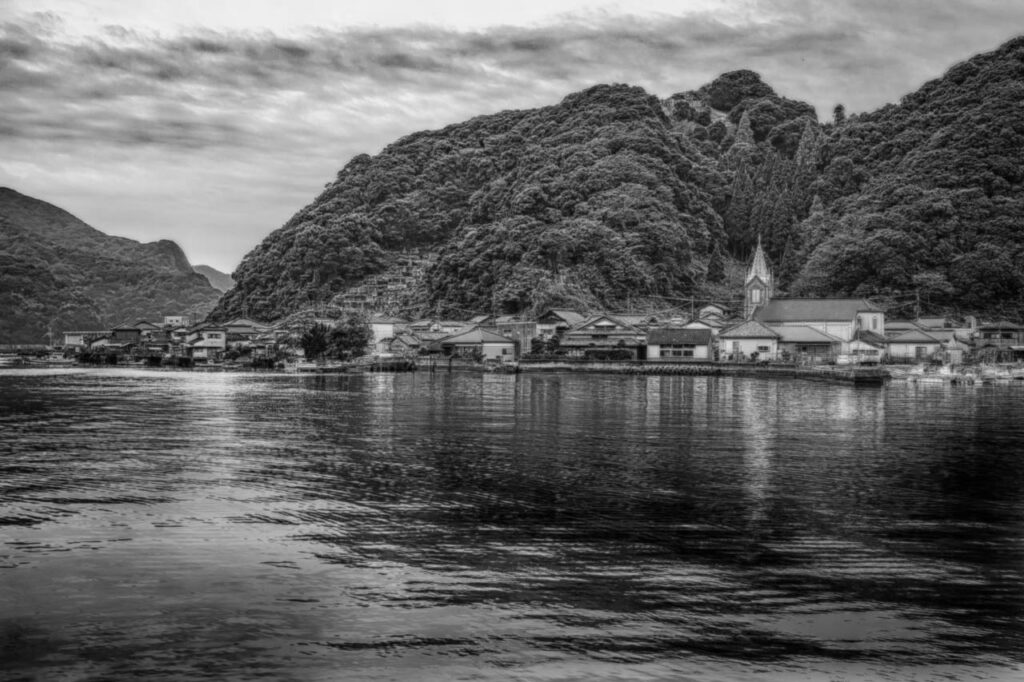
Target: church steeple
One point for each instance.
(757, 288)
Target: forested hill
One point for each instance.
(58, 272)
(925, 198)
(613, 197)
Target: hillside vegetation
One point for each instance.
(58, 273)
(613, 198)
(924, 198)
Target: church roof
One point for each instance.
(780, 310)
(759, 267)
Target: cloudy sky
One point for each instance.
(211, 122)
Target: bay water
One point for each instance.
(463, 526)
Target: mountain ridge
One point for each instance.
(59, 273)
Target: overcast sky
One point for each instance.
(211, 122)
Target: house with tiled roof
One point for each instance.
(913, 344)
(747, 340)
(677, 344)
(479, 342)
(803, 343)
(557, 321)
(603, 333)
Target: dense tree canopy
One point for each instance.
(614, 197)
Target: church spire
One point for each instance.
(757, 288)
(759, 267)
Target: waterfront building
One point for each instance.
(748, 340)
(481, 343)
(679, 345)
(604, 333)
(555, 322)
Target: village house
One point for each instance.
(912, 345)
(712, 323)
(404, 343)
(125, 335)
(384, 328)
(807, 344)
(478, 342)
(209, 344)
(555, 322)
(604, 333)
(749, 340)
(81, 339)
(1000, 334)
(679, 345)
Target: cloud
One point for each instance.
(268, 109)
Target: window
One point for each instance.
(764, 349)
(755, 295)
(874, 323)
(685, 350)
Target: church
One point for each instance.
(811, 326)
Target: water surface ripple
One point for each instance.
(177, 525)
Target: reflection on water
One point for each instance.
(458, 526)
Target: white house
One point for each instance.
(491, 346)
(209, 344)
(746, 339)
(384, 330)
(914, 344)
(679, 345)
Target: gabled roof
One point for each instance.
(751, 329)
(407, 339)
(480, 319)
(625, 327)
(913, 336)
(145, 324)
(678, 335)
(474, 336)
(1001, 325)
(570, 317)
(813, 310)
(801, 334)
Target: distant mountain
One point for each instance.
(218, 280)
(56, 272)
(614, 198)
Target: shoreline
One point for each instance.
(850, 375)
